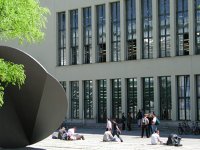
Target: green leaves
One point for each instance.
(10, 73)
(22, 19)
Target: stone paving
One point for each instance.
(132, 141)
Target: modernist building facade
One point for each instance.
(115, 56)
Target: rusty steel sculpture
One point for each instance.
(32, 113)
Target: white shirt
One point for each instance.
(107, 137)
(109, 125)
(155, 138)
(71, 131)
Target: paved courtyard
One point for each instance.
(132, 141)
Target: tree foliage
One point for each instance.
(22, 19)
(10, 73)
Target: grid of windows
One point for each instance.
(116, 99)
(164, 28)
(102, 101)
(197, 26)
(131, 29)
(101, 34)
(74, 36)
(198, 96)
(132, 96)
(148, 95)
(87, 35)
(147, 42)
(88, 100)
(182, 28)
(61, 39)
(115, 32)
(165, 97)
(74, 99)
(183, 88)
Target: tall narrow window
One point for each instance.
(164, 28)
(198, 96)
(102, 101)
(132, 96)
(147, 42)
(183, 88)
(87, 35)
(182, 28)
(148, 95)
(131, 29)
(165, 97)
(115, 32)
(74, 36)
(88, 100)
(74, 99)
(197, 25)
(101, 34)
(63, 83)
(116, 99)
(61, 39)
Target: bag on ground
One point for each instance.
(174, 140)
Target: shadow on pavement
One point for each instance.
(24, 148)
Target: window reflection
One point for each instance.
(74, 99)
(182, 28)
(197, 26)
(88, 100)
(147, 51)
(115, 32)
(198, 96)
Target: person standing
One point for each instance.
(145, 122)
(129, 121)
(108, 125)
(139, 118)
(123, 121)
(116, 130)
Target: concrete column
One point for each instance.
(108, 33)
(193, 97)
(95, 102)
(191, 15)
(94, 34)
(139, 29)
(68, 50)
(123, 88)
(109, 104)
(155, 29)
(81, 103)
(174, 98)
(173, 27)
(139, 93)
(156, 96)
(80, 35)
(123, 29)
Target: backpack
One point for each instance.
(157, 121)
(145, 121)
(174, 140)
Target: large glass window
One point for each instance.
(102, 101)
(164, 28)
(165, 97)
(182, 28)
(116, 99)
(197, 25)
(131, 29)
(132, 96)
(74, 36)
(61, 39)
(74, 99)
(183, 87)
(88, 100)
(115, 32)
(148, 95)
(198, 96)
(87, 35)
(147, 42)
(101, 34)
